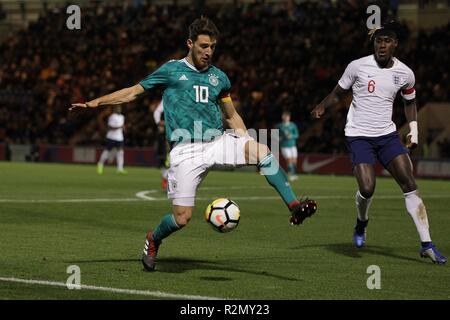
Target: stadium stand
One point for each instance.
(277, 55)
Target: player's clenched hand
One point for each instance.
(412, 138)
(318, 111)
(410, 143)
(89, 104)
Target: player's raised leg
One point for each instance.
(365, 176)
(277, 178)
(401, 169)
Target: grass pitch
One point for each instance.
(53, 216)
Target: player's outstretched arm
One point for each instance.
(115, 98)
(232, 117)
(412, 139)
(329, 101)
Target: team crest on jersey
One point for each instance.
(396, 79)
(213, 80)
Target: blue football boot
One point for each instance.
(359, 239)
(359, 235)
(431, 252)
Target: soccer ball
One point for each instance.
(222, 215)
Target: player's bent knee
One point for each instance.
(367, 191)
(256, 151)
(251, 152)
(182, 219)
(182, 215)
(263, 151)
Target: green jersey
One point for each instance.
(191, 99)
(288, 134)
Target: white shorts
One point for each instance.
(190, 163)
(290, 152)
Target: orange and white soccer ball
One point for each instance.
(223, 215)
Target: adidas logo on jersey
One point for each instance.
(183, 77)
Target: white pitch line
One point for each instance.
(143, 194)
(249, 198)
(157, 294)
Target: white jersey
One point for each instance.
(116, 121)
(374, 90)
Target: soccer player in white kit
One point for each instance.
(371, 134)
(114, 140)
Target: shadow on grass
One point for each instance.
(180, 265)
(215, 278)
(349, 250)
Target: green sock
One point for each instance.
(166, 227)
(277, 178)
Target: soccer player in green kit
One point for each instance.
(288, 143)
(195, 94)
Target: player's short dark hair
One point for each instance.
(203, 26)
(390, 28)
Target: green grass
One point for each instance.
(264, 258)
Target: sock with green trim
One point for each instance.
(165, 228)
(277, 178)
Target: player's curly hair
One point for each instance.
(203, 26)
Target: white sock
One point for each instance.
(104, 156)
(417, 210)
(362, 206)
(164, 172)
(119, 159)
